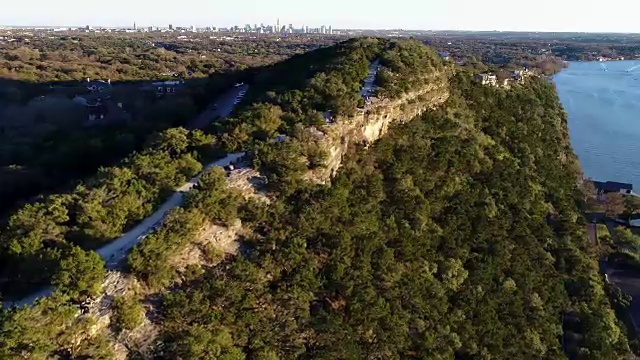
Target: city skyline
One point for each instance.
(503, 15)
(273, 28)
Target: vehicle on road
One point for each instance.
(239, 84)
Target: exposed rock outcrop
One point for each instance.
(373, 122)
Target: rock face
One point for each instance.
(373, 122)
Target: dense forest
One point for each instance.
(41, 57)
(459, 234)
(487, 53)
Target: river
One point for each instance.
(602, 100)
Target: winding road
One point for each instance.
(116, 250)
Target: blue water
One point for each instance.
(602, 100)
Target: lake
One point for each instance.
(602, 100)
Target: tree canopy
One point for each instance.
(456, 235)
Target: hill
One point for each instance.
(439, 220)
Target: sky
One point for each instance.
(505, 15)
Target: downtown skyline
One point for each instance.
(276, 27)
(502, 15)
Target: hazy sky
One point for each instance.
(542, 15)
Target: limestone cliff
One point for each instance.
(373, 122)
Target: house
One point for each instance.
(486, 79)
(518, 76)
(97, 95)
(164, 88)
(99, 86)
(444, 55)
(97, 101)
(613, 187)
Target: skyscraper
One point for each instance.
(330, 31)
(134, 26)
(322, 29)
(170, 27)
(278, 25)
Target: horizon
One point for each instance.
(143, 26)
(449, 15)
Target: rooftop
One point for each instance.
(612, 186)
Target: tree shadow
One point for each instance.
(52, 134)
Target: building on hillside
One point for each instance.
(99, 86)
(98, 91)
(518, 76)
(486, 79)
(444, 55)
(166, 88)
(609, 187)
(99, 106)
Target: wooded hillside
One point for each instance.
(457, 235)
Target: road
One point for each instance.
(370, 79)
(221, 108)
(629, 283)
(116, 250)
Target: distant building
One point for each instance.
(97, 101)
(444, 55)
(486, 79)
(518, 76)
(99, 86)
(166, 88)
(613, 187)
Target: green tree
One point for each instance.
(128, 314)
(32, 332)
(174, 141)
(624, 238)
(209, 344)
(80, 275)
(614, 204)
(213, 198)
